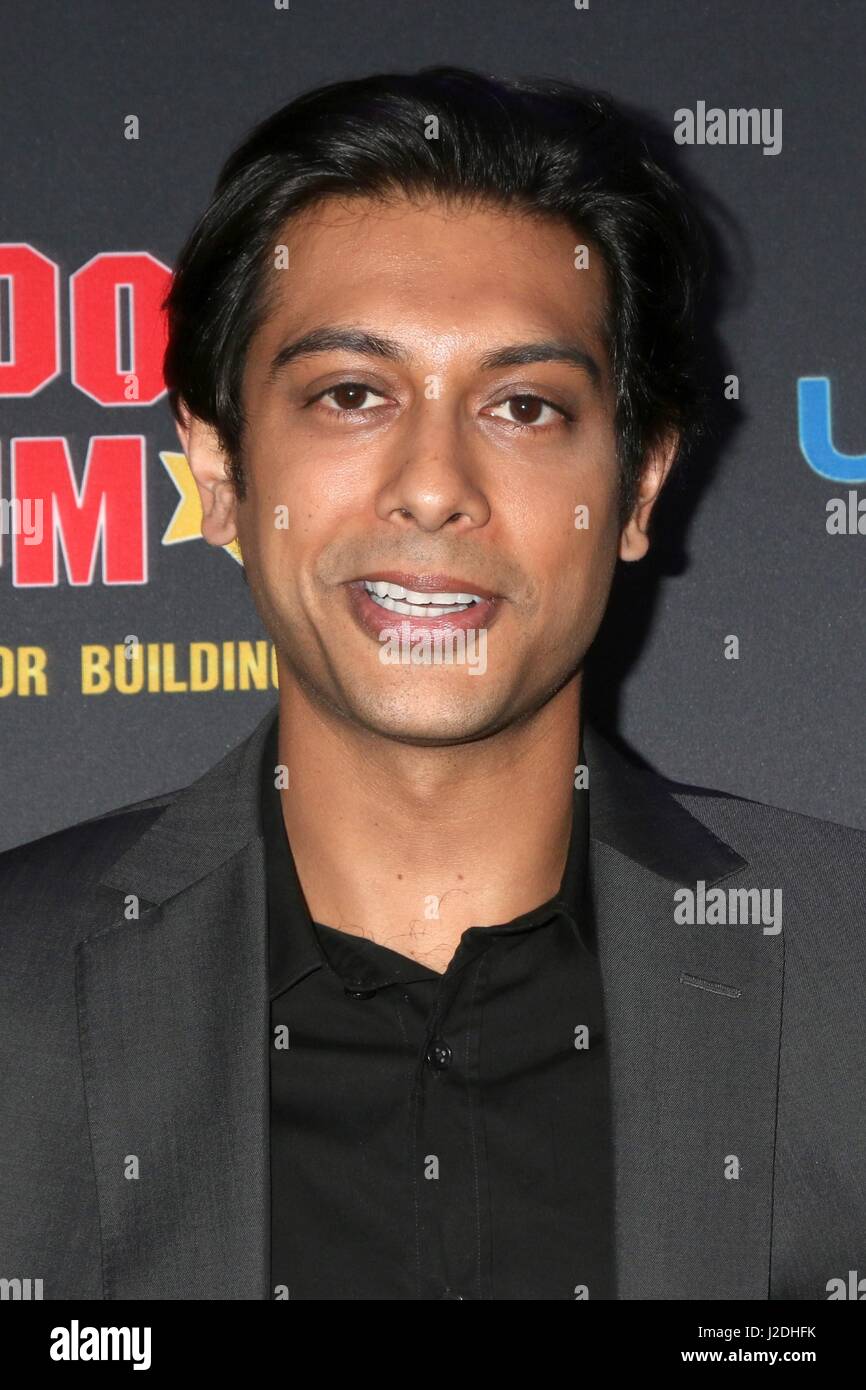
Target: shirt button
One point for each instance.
(356, 990)
(439, 1054)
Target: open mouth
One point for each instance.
(411, 603)
(424, 603)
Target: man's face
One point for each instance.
(430, 467)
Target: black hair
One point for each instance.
(533, 146)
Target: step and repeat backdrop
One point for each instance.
(733, 657)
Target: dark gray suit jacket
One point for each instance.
(732, 1050)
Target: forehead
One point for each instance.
(446, 271)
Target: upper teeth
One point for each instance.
(415, 604)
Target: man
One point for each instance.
(424, 992)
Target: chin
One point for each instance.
(430, 722)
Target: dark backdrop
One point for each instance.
(745, 549)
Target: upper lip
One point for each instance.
(427, 583)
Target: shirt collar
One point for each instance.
(294, 945)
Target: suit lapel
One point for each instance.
(174, 1022)
(693, 1066)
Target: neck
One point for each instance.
(410, 846)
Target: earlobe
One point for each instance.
(219, 513)
(208, 464)
(634, 539)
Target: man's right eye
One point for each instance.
(352, 393)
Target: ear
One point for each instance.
(209, 465)
(634, 540)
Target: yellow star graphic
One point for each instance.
(185, 524)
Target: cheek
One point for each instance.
(570, 541)
(582, 573)
(595, 548)
(282, 503)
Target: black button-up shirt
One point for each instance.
(437, 1135)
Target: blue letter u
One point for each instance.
(816, 434)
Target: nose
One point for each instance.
(433, 481)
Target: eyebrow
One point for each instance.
(360, 340)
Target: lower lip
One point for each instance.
(373, 618)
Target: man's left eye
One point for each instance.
(527, 410)
(349, 395)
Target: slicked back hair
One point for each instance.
(539, 147)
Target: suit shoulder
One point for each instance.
(712, 806)
(43, 879)
(824, 860)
